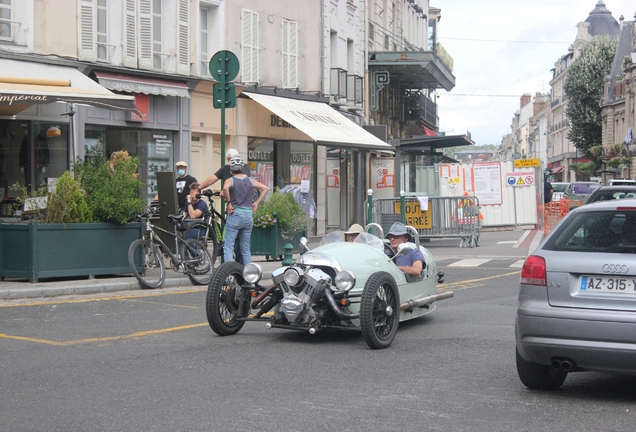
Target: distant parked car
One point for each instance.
(559, 190)
(606, 193)
(579, 192)
(577, 299)
(622, 182)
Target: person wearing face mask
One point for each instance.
(184, 180)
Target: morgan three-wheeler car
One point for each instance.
(337, 285)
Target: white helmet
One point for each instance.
(236, 164)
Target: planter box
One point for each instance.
(269, 242)
(34, 250)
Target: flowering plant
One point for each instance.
(283, 209)
(265, 220)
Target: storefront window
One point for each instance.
(31, 154)
(154, 148)
(260, 157)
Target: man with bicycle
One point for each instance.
(195, 208)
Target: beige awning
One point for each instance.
(321, 123)
(24, 83)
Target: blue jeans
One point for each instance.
(238, 226)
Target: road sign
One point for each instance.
(523, 163)
(224, 93)
(224, 66)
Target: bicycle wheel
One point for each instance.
(209, 240)
(197, 261)
(146, 262)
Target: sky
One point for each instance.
(502, 49)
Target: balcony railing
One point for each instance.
(421, 108)
(355, 90)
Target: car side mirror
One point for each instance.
(304, 242)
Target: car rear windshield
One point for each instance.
(559, 187)
(609, 231)
(582, 188)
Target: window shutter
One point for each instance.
(285, 52)
(130, 34)
(183, 45)
(249, 49)
(293, 54)
(145, 34)
(87, 47)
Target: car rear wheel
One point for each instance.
(379, 310)
(537, 376)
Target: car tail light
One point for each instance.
(625, 208)
(533, 271)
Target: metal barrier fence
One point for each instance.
(443, 217)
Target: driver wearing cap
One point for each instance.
(413, 263)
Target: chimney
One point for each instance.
(538, 104)
(621, 19)
(525, 99)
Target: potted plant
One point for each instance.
(278, 221)
(78, 228)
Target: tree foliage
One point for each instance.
(584, 87)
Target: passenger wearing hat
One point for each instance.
(352, 233)
(183, 183)
(413, 263)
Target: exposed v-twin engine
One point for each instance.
(300, 307)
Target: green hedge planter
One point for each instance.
(35, 250)
(269, 242)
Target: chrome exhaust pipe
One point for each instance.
(567, 365)
(412, 304)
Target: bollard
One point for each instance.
(402, 207)
(369, 206)
(288, 255)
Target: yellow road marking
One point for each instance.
(464, 283)
(90, 299)
(103, 339)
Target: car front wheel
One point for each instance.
(537, 376)
(379, 310)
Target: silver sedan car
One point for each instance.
(577, 301)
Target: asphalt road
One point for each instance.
(148, 361)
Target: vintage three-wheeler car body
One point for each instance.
(337, 285)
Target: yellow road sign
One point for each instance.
(522, 163)
(415, 217)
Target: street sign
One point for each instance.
(224, 93)
(224, 66)
(524, 163)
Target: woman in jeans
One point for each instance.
(237, 191)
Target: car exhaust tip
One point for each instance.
(556, 364)
(567, 365)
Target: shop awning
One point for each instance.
(413, 69)
(557, 170)
(433, 142)
(320, 122)
(24, 83)
(135, 84)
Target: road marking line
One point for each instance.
(518, 264)
(507, 242)
(523, 237)
(118, 297)
(462, 284)
(469, 262)
(104, 339)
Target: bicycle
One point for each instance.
(211, 229)
(146, 255)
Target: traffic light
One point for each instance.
(224, 95)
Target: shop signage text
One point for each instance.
(314, 118)
(254, 155)
(10, 99)
(276, 121)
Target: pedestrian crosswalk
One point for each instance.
(481, 262)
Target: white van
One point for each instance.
(622, 182)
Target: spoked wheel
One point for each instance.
(379, 310)
(210, 241)
(146, 263)
(200, 269)
(222, 302)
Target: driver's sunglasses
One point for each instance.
(391, 236)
